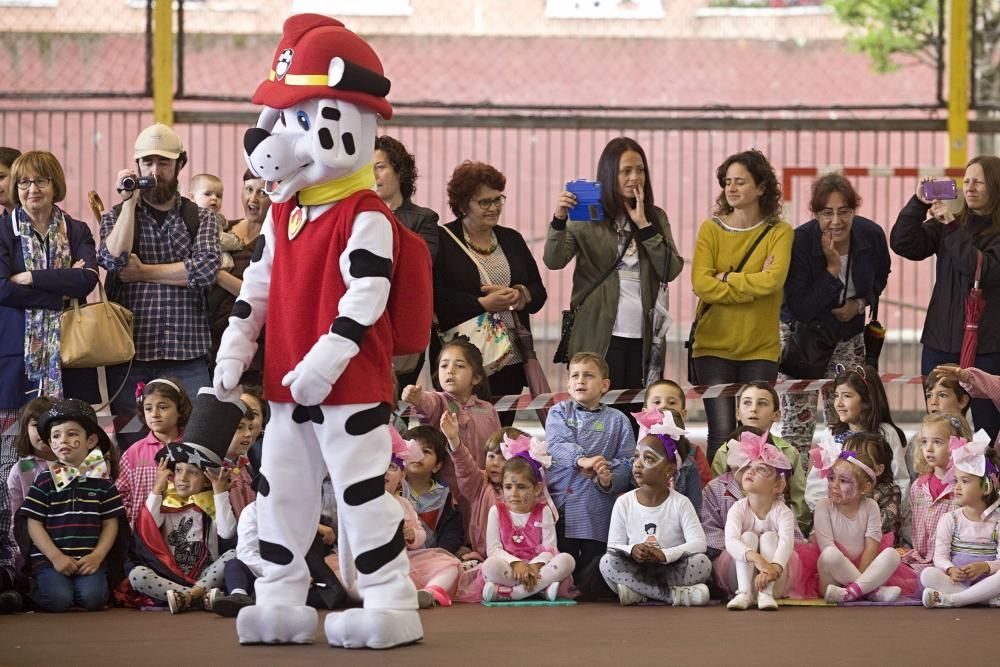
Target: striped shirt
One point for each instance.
(170, 321)
(72, 517)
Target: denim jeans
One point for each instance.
(984, 413)
(57, 592)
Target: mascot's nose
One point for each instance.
(253, 137)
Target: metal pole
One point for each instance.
(958, 83)
(163, 62)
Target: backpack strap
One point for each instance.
(189, 212)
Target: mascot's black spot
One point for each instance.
(366, 264)
(372, 561)
(258, 249)
(253, 137)
(349, 329)
(367, 420)
(348, 140)
(263, 486)
(330, 113)
(302, 414)
(365, 491)
(241, 309)
(326, 139)
(276, 553)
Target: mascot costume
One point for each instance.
(327, 278)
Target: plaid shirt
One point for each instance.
(925, 512)
(137, 475)
(170, 321)
(241, 492)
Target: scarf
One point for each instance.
(93, 466)
(338, 188)
(41, 326)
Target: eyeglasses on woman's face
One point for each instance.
(40, 182)
(828, 214)
(488, 204)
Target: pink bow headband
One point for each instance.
(533, 450)
(404, 450)
(970, 455)
(660, 423)
(828, 453)
(139, 387)
(752, 447)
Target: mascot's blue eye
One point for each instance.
(303, 119)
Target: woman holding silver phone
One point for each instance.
(927, 227)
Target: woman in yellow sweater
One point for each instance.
(736, 339)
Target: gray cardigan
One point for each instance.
(595, 247)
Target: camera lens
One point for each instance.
(128, 183)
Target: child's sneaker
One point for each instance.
(210, 597)
(994, 602)
(740, 602)
(178, 601)
(766, 601)
(935, 599)
(629, 597)
(494, 593)
(885, 594)
(230, 605)
(552, 592)
(10, 601)
(689, 596)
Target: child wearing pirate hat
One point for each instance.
(177, 536)
(68, 549)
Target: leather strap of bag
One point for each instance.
(475, 260)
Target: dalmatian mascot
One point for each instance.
(328, 281)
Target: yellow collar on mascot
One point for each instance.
(339, 188)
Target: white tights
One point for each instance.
(499, 572)
(960, 594)
(835, 568)
(765, 545)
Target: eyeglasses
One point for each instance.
(487, 204)
(25, 183)
(827, 214)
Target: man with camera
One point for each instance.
(161, 252)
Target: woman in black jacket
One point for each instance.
(925, 228)
(840, 265)
(511, 285)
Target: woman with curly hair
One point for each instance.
(736, 338)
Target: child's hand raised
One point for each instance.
(412, 393)
(162, 477)
(220, 479)
(449, 426)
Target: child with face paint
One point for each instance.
(931, 496)
(433, 571)
(966, 552)
(760, 528)
(430, 495)
(685, 480)
(656, 547)
(664, 394)
(885, 493)
(521, 531)
(855, 560)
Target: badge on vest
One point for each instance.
(296, 222)
(598, 426)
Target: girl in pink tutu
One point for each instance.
(434, 571)
(855, 560)
(966, 553)
(521, 531)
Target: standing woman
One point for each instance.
(395, 178)
(616, 321)
(925, 228)
(736, 340)
(475, 196)
(840, 265)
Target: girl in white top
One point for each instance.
(966, 553)
(847, 530)
(760, 528)
(656, 545)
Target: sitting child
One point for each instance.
(656, 546)
(664, 394)
(967, 552)
(241, 472)
(34, 455)
(72, 510)
(430, 496)
(686, 480)
(760, 528)
(980, 385)
(885, 493)
(943, 392)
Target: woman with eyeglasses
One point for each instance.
(840, 265)
(46, 257)
(621, 260)
(503, 278)
(926, 228)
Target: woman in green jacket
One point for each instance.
(616, 320)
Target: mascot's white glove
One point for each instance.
(307, 386)
(227, 379)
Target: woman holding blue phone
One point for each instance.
(927, 227)
(621, 262)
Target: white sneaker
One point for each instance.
(629, 597)
(766, 602)
(740, 602)
(552, 592)
(835, 594)
(885, 594)
(933, 599)
(994, 602)
(689, 596)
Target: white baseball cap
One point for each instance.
(158, 139)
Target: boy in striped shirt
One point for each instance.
(72, 511)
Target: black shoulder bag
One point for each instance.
(703, 308)
(569, 316)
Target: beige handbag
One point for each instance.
(96, 334)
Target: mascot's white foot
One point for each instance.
(373, 628)
(277, 624)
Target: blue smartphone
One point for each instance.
(588, 201)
